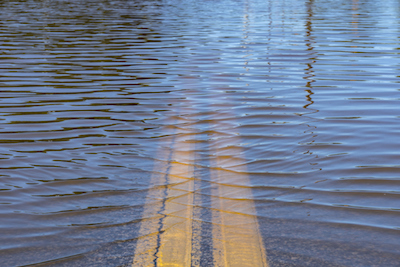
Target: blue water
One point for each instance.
(304, 93)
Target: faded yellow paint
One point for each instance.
(176, 240)
(166, 236)
(237, 240)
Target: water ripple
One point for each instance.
(301, 97)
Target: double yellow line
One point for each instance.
(168, 234)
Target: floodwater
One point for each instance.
(286, 113)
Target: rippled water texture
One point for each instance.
(295, 102)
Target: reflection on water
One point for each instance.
(305, 93)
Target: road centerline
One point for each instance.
(168, 239)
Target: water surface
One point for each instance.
(301, 94)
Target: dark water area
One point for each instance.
(304, 93)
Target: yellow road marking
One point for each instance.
(237, 240)
(176, 240)
(166, 238)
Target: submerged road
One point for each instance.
(172, 235)
(199, 133)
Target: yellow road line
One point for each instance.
(166, 238)
(237, 240)
(176, 240)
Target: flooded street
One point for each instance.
(199, 133)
